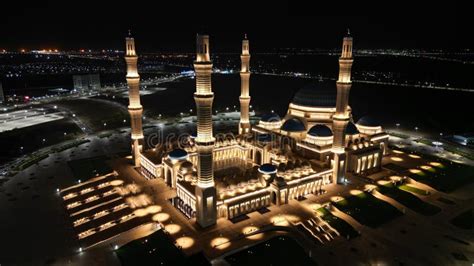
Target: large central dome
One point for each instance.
(318, 94)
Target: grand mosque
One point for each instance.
(272, 162)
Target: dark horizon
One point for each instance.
(50, 24)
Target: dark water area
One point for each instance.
(429, 109)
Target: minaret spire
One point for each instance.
(244, 125)
(206, 212)
(342, 115)
(134, 108)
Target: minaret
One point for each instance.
(244, 125)
(134, 108)
(342, 115)
(206, 212)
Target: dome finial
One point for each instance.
(348, 32)
(245, 36)
(129, 32)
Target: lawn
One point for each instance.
(415, 190)
(465, 220)
(22, 141)
(155, 249)
(368, 210)
(345, 229)
(97, 114)
(446, 177)
(408, 199)
(279, 250)
(84, 169)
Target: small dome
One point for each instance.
(351, 129)
(320, 131)
(282, 167)
(319, 94)
(297, 163)
(267, 169)
(186, 167)
(293, 125)
(178, 154)
(279, 181)
(367, 121)
(271, 117)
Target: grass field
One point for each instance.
(31, 138)
(345, 229)
(280, 250)
(407, 199)
(445, 176)
(84, 169)
(367, 209)
(415, 190)
(95, 113)
(156, 249)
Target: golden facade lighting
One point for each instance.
(134, 108)
(206, 213)
(342, 115)
(244, 125)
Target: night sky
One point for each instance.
(171, 27)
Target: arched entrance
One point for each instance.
(274, 198)
(382, 147)
(258, 157)
(169, 177)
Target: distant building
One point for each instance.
(86, 82)
(464, 139)
(2, 96)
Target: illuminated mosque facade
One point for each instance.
(270, 163)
